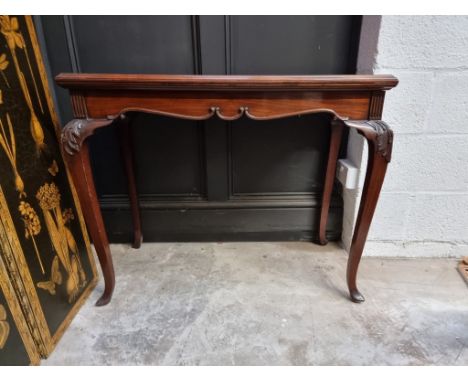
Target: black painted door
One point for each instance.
(210, 180)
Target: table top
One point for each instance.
(226, 82)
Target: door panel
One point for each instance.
(133, 44)
(290, 44)
(174, 164)
(281, 156)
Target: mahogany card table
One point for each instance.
(351, 101)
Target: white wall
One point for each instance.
(423, 208)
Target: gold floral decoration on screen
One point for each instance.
(3, 65)
(63, 241)
(8, 144)
(9, 27)
(32, 227)
(55, 278)
(53, 169)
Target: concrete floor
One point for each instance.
(269, 304)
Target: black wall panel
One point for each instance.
(211, 180)
(290, 44)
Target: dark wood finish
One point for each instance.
(225, 83)
(76, 153)
(126, 144)
(376, 104)
(108, 97)
(379, 138)
(335, 141)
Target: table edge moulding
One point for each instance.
(351, 101)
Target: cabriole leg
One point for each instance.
(335, 142)
(126, 144)
(76, 153)
(380, 139)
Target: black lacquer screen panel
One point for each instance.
(47, 269)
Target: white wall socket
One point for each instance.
(347, 173)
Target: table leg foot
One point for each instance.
(138, 239)
(104, 299)
(356, 296)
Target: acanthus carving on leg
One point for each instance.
(375, 130)
(380, 140)
(77, 130)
